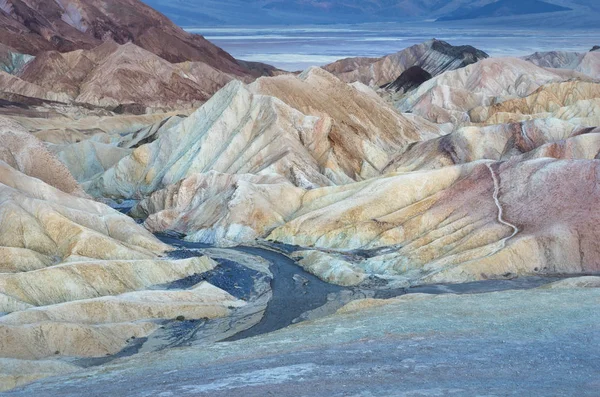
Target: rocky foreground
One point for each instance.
(250, 199)
(418, 345)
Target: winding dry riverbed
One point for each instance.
(297, 295)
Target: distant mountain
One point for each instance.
(504, 8)
(34, 26)
(301, 12)
(305, 12)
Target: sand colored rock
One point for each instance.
(104, 326)
(14, 85)
(83, 280)
(91, 279)
(202, 301)
(450, 96)
(313, 129)
(88, 159)
(363, 305)
(120, 130)
(587, 63)
(550, 98)
(221, 209)
(42, 225)
(235, 132)
(22, 151)
(420, 231)
(329, 268)
(532, 139)
(44, 340)
(365, 130)
(434, 56)
(15, 372)
(111, 75)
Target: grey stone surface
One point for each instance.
(511, 343)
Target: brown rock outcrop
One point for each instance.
(434, 56)
(313, 129)
(33, 26)
(111, 75)
(25, 153)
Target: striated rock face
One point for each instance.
(528, 139)
(469, 205)
(586, 63)
(23, 152)
(236, 131)
(410, 79)
(434, 57)
(313, 129)
(118, 55)
(13, 86)
(56, 226)
(450, 96)
(77, 278)
(31, 27)
(417, 224)
(573, 100)
(111, 75)
(493, 174)
(221, 209)
(556, 59)
(124, 131)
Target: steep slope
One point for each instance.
(409, 80)
(450, 96)
(312, 129)
(20, 92)
(31, 26)
(74, 272)
(586, 63)
(559, 100)
(427, 234)
(476, 220)
(434, 56)
(111, 75)
(549, 137)
(221, 209)
(23, 152)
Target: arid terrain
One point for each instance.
(176, 222)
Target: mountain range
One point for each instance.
(303, 12)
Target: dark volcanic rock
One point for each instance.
(467, 53)
(595, 48)
(410, 79)
(434, 56)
